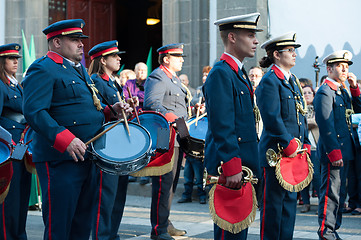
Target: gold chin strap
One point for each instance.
(95, 97)
(189, 98)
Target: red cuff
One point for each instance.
(335, 155)
(355, 92)
(291, 148)
(308, 146)
(107, 114)
(63, 139)
(232, 167)
(171, 117)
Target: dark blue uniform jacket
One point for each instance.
(59, 106)
(231, 137)
(276, 99)
(336, 141)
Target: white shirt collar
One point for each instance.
(239, 63)
(70, 61)
(287, 74)
(334, 82)
(12, 79)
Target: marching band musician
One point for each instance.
(61, 105)
(336, 146)
(13, 211)
(282, 106)
(163, 92)
(112, 189)
(231, 135)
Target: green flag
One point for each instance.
(26, 56)
(32, 50)
(149, 61)
(121, 69)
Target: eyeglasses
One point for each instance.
(291, 50)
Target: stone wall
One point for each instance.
(188, 21)
(32, 17)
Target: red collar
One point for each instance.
(55, 57)
(105, 77)
(230, 62)
(166, 71)
(278, 72)
(331, 85)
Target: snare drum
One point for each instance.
(194, 144)
(152, 121)
(121, 154)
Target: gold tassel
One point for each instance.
(4, 194)
(31, 169)
(225, 225)
(300, 186)
(95, 97)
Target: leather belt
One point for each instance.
(15, 116)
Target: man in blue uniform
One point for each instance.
(62, 107)
(231, 137)
(336, 146)
(163, 92)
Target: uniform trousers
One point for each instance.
(193, 168)
(220, 234)
(14, 209)
(109, 207)
(68, 190)
(163, 189)
(354, 177)
(278, 209)
(331, 199)
(305, 193)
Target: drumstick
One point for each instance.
(103, 132)
(133, 105)
(198, 109)
(193, 121)
(123, 113)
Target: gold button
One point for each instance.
(13, 126)
(73, 81)
(300, 137)
(289, 96)
(340, 105)
(295, 97)
(351, 134)
(114, 95)
(74, 122)
(300, 124)
(239, 139)
(15, 96)
(341, 144)
(241, 92)
(177, 94)
(338, 135)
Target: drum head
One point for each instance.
(27, 137)
(152, 121)
(4, 151)
(117, 146)
(200, 130)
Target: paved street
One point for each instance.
(195, 218)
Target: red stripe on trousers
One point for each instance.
(4, 227)
(326, 199)
(264, 203)
(222, 238)
(49, 215)
(100, 200)
(159, 191)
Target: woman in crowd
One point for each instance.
(112, 189)
(280, 101)
(13, 211)
(313, 136)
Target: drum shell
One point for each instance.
(124, 167)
